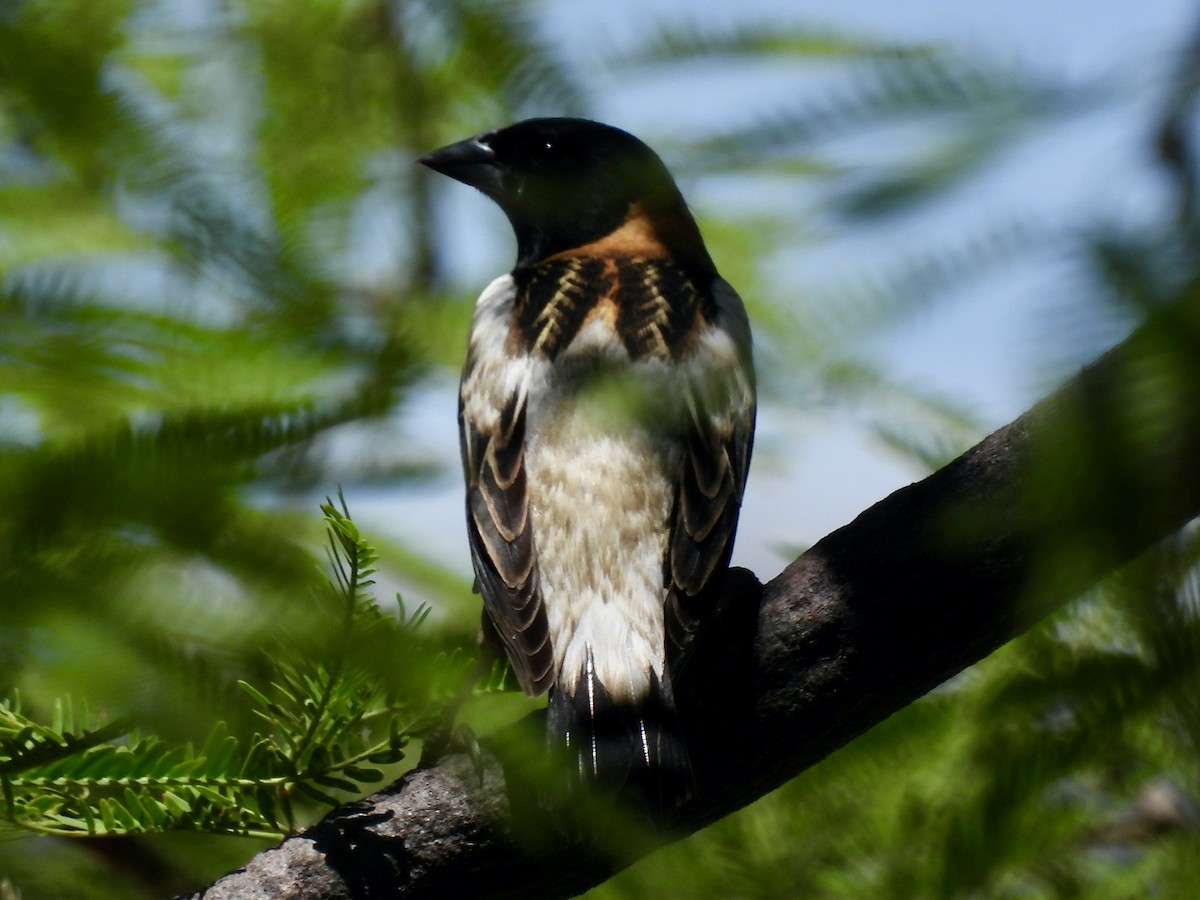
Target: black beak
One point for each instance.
(471, 161)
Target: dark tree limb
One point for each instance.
(917, 588)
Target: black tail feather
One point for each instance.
(636, 750)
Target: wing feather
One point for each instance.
(719, 433)
(492, 415)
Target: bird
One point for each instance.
(606, 417)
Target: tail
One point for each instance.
(636, 749)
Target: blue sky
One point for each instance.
(993, 347)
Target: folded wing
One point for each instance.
(718, 437)
(492, 414)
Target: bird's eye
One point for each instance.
(544, 154)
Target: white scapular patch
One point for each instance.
(494, 376)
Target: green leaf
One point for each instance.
(337, 783)
(176, 805)
(312, 792)
(359, 773)
(258, 696)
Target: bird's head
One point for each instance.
(566, 184)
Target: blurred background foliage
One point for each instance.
(222, 281)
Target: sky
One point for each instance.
(993, 348)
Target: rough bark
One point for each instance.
(917, 588)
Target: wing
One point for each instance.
(491, 416)
(718, 437)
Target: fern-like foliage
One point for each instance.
(329, 725)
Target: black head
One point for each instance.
(564, 183)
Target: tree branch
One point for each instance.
(917, 588)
